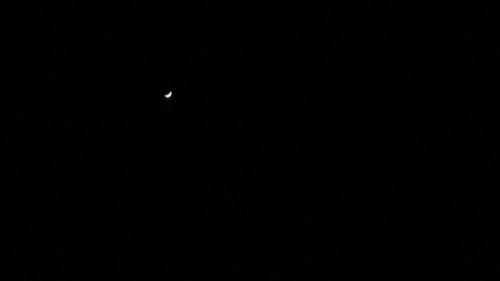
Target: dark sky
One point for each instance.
(306, 141)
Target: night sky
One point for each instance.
(297, 143)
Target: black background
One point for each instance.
(300, 143)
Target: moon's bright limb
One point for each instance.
(168, 95)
